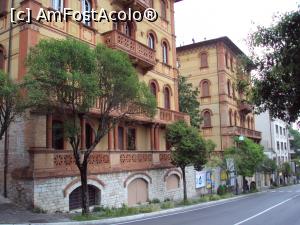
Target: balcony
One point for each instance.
(141, 54)
(137, 5)
(170, 116)
(60, 163)
(237, 131)
(245, 107)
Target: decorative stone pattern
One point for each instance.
(49, 194)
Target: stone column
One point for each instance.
(116, 137)
(83, 138)
(49, 119)
(110, 140)
(156, 137)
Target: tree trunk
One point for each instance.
(245, 185)
(84, 190)
(184, 184)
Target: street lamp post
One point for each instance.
(241, 138)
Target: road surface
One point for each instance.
(273, 207)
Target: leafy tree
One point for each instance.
(295, 144)
(68, 77)
(247, 156)
(268, 165)
(12, 103)
(188, 148)
(286, 170)
(188, 101)
(277, 86)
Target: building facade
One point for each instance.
(212, 66)
(275, 137)
(132, 163)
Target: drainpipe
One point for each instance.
(6, 141)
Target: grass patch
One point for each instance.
(154, 206)
(85, 217)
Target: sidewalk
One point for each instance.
(12, 214)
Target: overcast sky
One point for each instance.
(233, 18)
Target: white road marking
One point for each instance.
(266, 210)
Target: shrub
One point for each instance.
(149, 208)
(214, 197)
(253, 186)
(222, 189)
(154, 201)
(167, 205)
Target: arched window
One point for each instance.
(75, 197)
(163, 7)
(86, 7)
(204, 62)
(167, 98)
(58, 4)
(172, 182)
(165, 52)
(205, 88)
(2, 59)
(207, 118)
(235, 118)
(153, 89)
(230, 117)
(151, 40)
(57, 135)
(229, 88)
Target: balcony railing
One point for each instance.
(143, 55)
(237, 131)
(245, 107)
(57, 163)
(138, 5)
(171, 116)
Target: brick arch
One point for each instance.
(134, 176)
(202, 88)
(207, 109)
(154, 34)
(173, 171)
(92, 180)
(164, 40)
(169, 87)
(156, 83)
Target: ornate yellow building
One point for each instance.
(131, 164)
(212, 67)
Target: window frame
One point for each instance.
(165, 53)
(163, 9)
(87, 23)
(58, 5)
(204, 60)
(209, 124)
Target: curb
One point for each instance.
(143, 216)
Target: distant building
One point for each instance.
(212, 67)
(275, 137)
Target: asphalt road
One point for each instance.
(274, 207)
